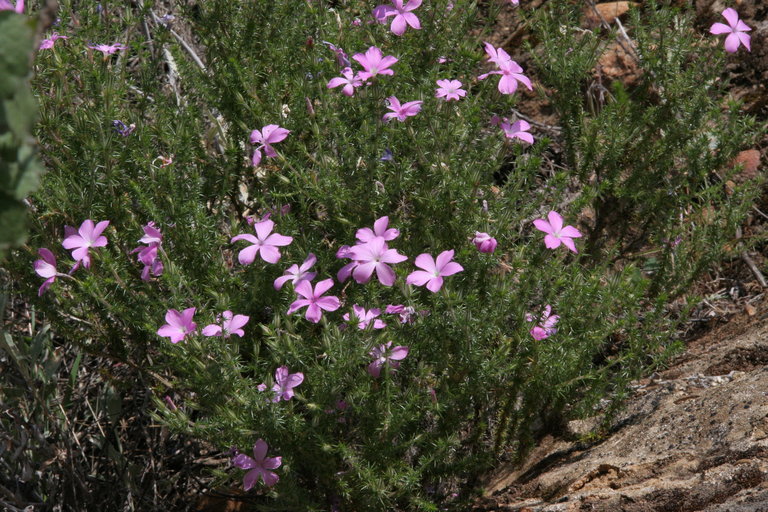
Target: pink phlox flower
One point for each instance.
(178, 324)
(497, 56)
(510, 71)
(556, 233)
(261, 387)
(450, 90)
(433, 270)
(386, 354)
(285, 382)
(314, 300)
(108, 49)
(46, 268)
(364, 317)
(265, 243)
(296, 273)
(515, 2)
(350, 80)
(341, 56)
(6, 5)
(89, 235)
(47, 44)
(379, 229)
(406, 313)
(484, 242)
(403, 17)
(517, 130)
(546, 324)
(270, 134)
(401, 112)
(232, 324)
(375, 256)
(345, 271)
(735, 29)
(374, 63)
(443, 59)
(260, 466)
(148, 255)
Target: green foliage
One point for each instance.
(642, 169)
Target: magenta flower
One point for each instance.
(498, 56)
(546, 326)
(364, 317)
(47, 44)
(231, 325)
(148, 255)
(341, 56)
(5, 5)
(379, 229)
(374, 63)
(401, 112)
(350, 80)
(260, 466)
(46, 268)
(285, 382)
(314, 299)
(386, 354)
(406, 313)
(433, 270)
(484, 242)
(556, 233)
(108, 49)
(179, 324)
(517, 130)
(450, 90)
(403, 17)
(375, 256)
(297, 273)
(86, 237)
(510, 71)
(265, 243)
(735, 29)
(270, 134)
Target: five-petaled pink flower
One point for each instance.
(108, 49)
(86, 237)
(46, 268)
(386, 354)
(179, 324)
(46, 44)
(232, 324)
(314, 300)
(379, 229)
(556, 233)
(364, 317)
(6, 5)
(735, 29)
(350, 80)
(517, 130)
(510, 71)
(433, 270)
(546, 324)
(484, 242)
(403, 17)
(374, 63)
(285, 381)
(401, 112)
(296, 273)
(450, 90)
(270, 134)
(406, 313)
(148, 255)
(375, 256)
(265, 243)
(260, 466)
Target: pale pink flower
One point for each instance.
(46, 268)
(433, 270)
(178, 324)
(379, 229)
(6, 5)
(374, 63)
(484, 242)
(259, 466)
(498, 56)
(108, 49)
(314, 300)
(375, 256)
(401, 112)
(296, 273)
(350, 80)
(546, 324)
(735, 29)
(403, 17)
(148, 255)
(341, 56)
(47, 44)
(364, 317)
(285, 382)
(406, 313)
(386, 354)
(232, 324)
(450, 90)
(510, 71)
(517, 130)
(86, 237)
(556, 233)
(265, 243)
(270, 134)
